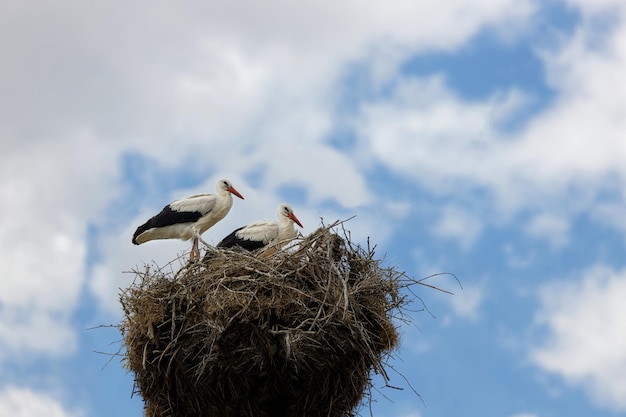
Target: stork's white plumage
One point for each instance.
(265, 233)
(189, 217)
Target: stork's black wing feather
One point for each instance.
(233, 240)
(167, 217)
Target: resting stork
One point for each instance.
(189, 217)
(265, 233)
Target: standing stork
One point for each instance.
(189, 217)
(265, 233)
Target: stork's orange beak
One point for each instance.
(232, 190)
(295, 219)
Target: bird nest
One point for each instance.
(235, 334)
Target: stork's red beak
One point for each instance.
(232, 190)
(295, 219)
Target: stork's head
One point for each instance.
(285, 210)
(224, 186)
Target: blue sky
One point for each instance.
(485, 139)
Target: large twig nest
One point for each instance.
(294, 334)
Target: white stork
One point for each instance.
(189, 217)
(265, 233)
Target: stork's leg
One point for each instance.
(195, 249)
(195, 252)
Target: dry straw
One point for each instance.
(238, 335)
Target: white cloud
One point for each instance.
(559, 162)
(466, 303)
(456, 223)
(424, 131)
(47, 197)
(24, 402)
(586, 340)
(552, 227)
(593, 7)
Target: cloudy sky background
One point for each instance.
(483, 138)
